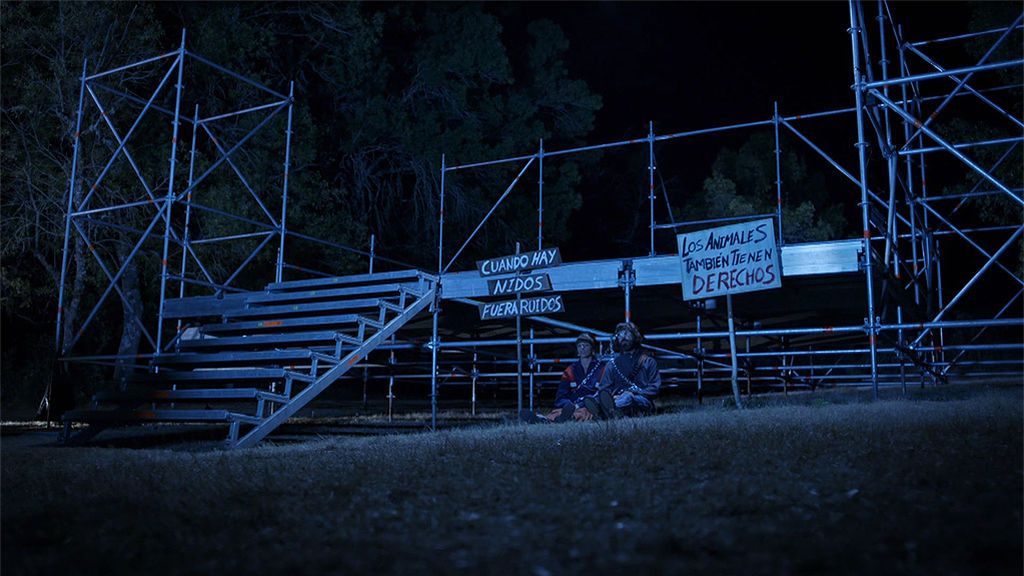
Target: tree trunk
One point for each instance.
(74, 297)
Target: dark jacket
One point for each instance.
(577, 382)
(634, 371)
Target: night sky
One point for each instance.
(688, 65)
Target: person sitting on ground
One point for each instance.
(631, 379)
(579, 380)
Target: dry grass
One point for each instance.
(909, 487)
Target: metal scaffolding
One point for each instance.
(176, 217)
(899, 320)
(911, 223)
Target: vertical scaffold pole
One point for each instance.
(540, 196)
(188, 209)
(170, 195)
(437, 305)
(519, 350)
(279, 272)
(732, 355)
(533, 360)
(778, 173)
(700, 364)
(891, 158)
(474, 375)
(911, 202)
(71, 207)
(373, 250)
(650, 170)
(861, 144)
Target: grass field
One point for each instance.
(930, 485)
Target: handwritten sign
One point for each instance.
(524, 307)
(517, 284)
(729, 260)
(519, 262)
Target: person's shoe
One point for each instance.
(594, 407)
(607, 403)
(529, 417)
(566, 414)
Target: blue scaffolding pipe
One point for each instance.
(713, 130)
(980, 143)
(963, 81)
(113, 281)
(717, 220)
(813, 115)
(127, 155)
(307, 270)
(973, 280)
(778, 174)
(969, 89)
(540, 196)
(836, 165)
(931, 134)
(241, 176)
(152, 202)
(115, 226)
(188, 218)
(963, 36)
(858, 89)
(1003, 228)
(982, 331)
(233, 237)
(240, 112)
(279, 271)
(229, 215)
(130, 66)
(650, 196)
(197, 282)
(489, 213)
(435, 308)
(348, 248)
(967, 239)
(246, 262)
(70, 210)
(252, 83)
(169, 204)
(943, 74)
(1006, 154)
(981, 194)
(231, 151)
(117, 151)
(135, 99)
(120, 142)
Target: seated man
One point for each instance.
(631, 379)
(578, 381)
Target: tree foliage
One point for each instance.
(382, 91)
(743, 182)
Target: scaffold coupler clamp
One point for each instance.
(627, 275)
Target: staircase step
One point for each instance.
(309, 295)
(298, 356)
(344, 280)
(288, 340)
(309, 308)
(280, 325)
(190, 395)
(170, 415)
(221, 375)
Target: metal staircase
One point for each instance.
(266, 357)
